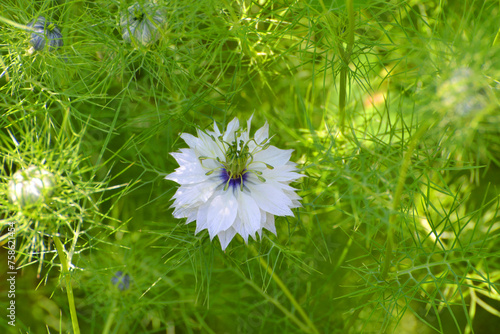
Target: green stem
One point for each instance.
(356, 313)
(389, 254)
(343, 255)
(342, 96)
(111, 318)
(64, 126)
(350, 29)
(288, 294)
(388, 247)
(15, 24)
(69, 288)
(346, 58)
(403, 171)
(276, 303)
(497, 38)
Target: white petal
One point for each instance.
(249, 124)
(273, 156)
(191, 216)
(226, 236)
(194, 194)
(209, 147)
(185, 156)
(249, 216)
(267, 222)
(294, 197)
(216, 130)
(190, 169)
(221, 212)
(201, 218)
(245, 135)
(284, 173)
(271, 199)
(191, 140)
(186, 212)
(240, 229)
(262, 134)
(231, 128)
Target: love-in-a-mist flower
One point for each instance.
(141, 23)
(31, 186)
(231, 183)
(121, 280)
(44, 33)
(464, 92)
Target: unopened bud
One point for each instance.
(31, 186)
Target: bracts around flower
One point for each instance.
(231, 183)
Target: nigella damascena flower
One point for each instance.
(44, 32)
(31, 186)
(121, 280)
(141, 23)
(464, 92)
(231, 183)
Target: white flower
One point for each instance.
(231, 183)
(141, 23)
(464, 92)
(30, 186)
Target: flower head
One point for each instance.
(31, 186)
(45, 32)
(464, 92)
(141, 22)
(231, 183)
(121, 280)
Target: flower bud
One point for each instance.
(140, 23)
(122, 281)
(464, 92)
(31, 186)
(44, 32)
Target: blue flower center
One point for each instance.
(234, 167)
(233, 180)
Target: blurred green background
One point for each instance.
(393, 116)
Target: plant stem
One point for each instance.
(403, 171)
(350, 30)
(389, 254)
(346, 58)
(288, 294)
(111, 318)
(15, 24)
(69, 288)
(342, 96)
(276, 303)
(343, 255)
(356, 313)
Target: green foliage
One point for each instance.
(392, 109)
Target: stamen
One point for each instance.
(234, 167)
(269, 166)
